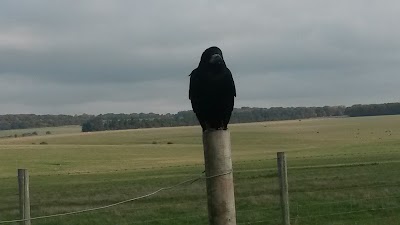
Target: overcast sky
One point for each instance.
(74, 57)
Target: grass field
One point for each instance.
(41, 131)
(341, 171)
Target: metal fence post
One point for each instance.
(283, 186)
(24, 201)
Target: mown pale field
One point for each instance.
(341, 171)
(41, 131)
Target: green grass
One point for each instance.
(341, 171)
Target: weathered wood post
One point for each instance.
(283, 186)
(24, 201)
(220, 189)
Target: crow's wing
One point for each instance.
(232, 87)
(193, 85)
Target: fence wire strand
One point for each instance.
(350, 200)
(189, 181)
(348, 212)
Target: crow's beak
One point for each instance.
(216, 59)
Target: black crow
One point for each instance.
(212, 90)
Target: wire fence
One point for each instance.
(360, 189)
(186, 182)
(341, 189)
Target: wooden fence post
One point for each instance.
(24, 202)
(220, 189)
(283, 186)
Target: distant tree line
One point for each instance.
(112, 121)
(187, 118)
(373, 109)
(22, 121)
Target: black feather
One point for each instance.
(212, 90)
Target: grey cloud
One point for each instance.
(31, 94)
(136, 55)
